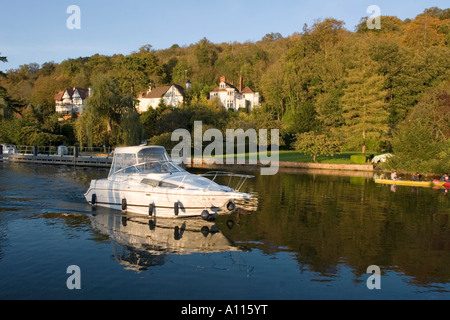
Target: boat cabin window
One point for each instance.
(122, 161)
(158, 167)
(162, 184)
(152, 155)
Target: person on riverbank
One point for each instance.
(417, 177)
(394, 176)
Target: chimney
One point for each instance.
(222, 79)
(241, 83)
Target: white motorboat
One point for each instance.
(144, 180)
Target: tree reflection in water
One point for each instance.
(327, 220)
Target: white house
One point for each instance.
(71, 100)
(172, 95)
(235, 98)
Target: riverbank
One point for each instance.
(205, 163)
(288, 160)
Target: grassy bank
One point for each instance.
(339, 158)
(295, 156)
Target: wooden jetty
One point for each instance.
(101, 161)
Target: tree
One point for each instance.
(325, 34)
(8, 105)
(389, 24)
(272, 36)
(45, 88)
(364, 98)
(301, 119)
(424, 31)
(364, 109)
(111, 114)
(133, 131)
(272, 84)
(316, 144)
(33, 128)
(206, 55)
(438, 13)
(3, 59)
(422, 142)
(132, 74)
(181, 71)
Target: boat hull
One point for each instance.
(444, 184)
(164, 202)
(425, 184)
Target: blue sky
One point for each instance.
(36, 31)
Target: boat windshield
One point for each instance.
(152, 154)
(145, 160)
(158, 167)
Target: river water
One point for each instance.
(312, 236)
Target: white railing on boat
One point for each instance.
(240, 183)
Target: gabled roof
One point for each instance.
(155, 93)
(59, 95)
(227, 86)
(158, 92)
(84, 93)
(248, 90)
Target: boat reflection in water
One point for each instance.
(140, 242)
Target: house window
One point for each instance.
(230, 104)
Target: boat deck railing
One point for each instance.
(242, 178)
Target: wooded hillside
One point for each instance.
(356, 86)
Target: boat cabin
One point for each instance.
(143, 159)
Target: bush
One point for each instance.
(358, 159)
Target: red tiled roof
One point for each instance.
(59, 95)
(247, 90)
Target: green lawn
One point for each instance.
(295, 156)
(338, 158)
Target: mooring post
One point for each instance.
(35, 151)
